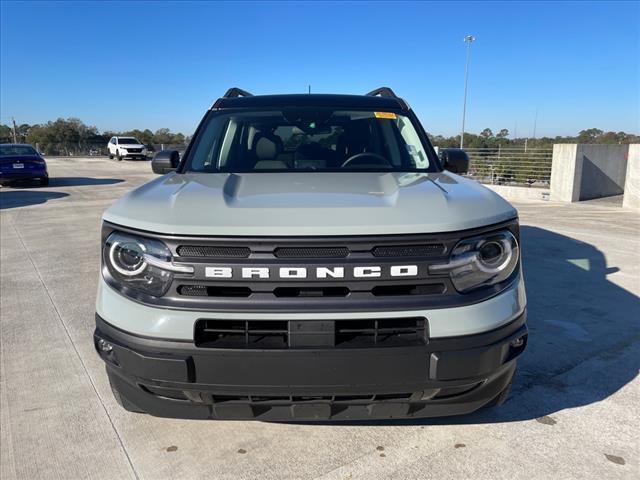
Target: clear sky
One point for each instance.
(150, 64)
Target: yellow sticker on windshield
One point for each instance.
(390, 115)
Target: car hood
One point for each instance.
(274, 204)
(130, 145)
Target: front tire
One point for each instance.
(44, 181)
(118, 157)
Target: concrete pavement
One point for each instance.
(574, 411)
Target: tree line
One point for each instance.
(72, 136)
(487, 139)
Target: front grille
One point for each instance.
(304, 274)
(202, 290)
(409, 250)
(134, 150)
(388, 251)
(213, 251)
(311, 252)
(287, 334)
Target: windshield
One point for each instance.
(6, 150)
(128, 141)
(303, 139)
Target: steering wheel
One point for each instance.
(366, 159)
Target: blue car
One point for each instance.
(22, 162)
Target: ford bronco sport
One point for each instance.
(310, 257)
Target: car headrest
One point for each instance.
(268, 147)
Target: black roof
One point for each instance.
(312, 100)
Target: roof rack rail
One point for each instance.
(383, 92)
(236, 92)
(233, 92)
(386, 92)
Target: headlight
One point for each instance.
(140, 263)
(481, 261)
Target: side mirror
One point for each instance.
(455, 160)
(165, 161)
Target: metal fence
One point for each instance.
(92, 149)
(511, 166)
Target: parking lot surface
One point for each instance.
(574, 411)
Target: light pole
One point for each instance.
(469, 39)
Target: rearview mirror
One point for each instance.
(455, 160)
(165, 161)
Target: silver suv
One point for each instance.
(311, 258)
(126, 147)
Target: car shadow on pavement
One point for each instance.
(575, 315)
(68, 182)
(23, 198)
(81, 181)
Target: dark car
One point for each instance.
(22, 162)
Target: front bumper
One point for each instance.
(134, 155)
(17, 176)
(444, 376)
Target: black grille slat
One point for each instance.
(213, 251)
(242, 334)
(311, 252)
(213, 291)
(292, 292)
(377, 332)
(294, 399)
(409, 250)
(422, 289)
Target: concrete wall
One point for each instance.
(582, 172)
(631, 197)
(563, 173)
(515, 194)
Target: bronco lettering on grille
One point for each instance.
(369, 271)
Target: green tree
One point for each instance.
(162, 135)
(590, 135)
(486, 133)
(6, 134)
